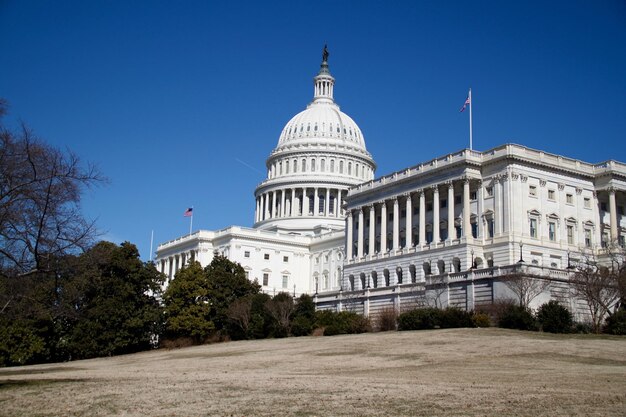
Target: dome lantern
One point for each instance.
(324, 82)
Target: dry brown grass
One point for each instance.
(471, 372)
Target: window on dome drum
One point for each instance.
(266, 256)
(349, 168)
(303, 165)
(266, 279)
(286, 167)
(313, 165)
(331, 202)
(246, 254)
(551, 195)
(532, 190)
(311, 204)
(587, 202)
(295, 166)
(323, 165)
(552, 231)
(569, 198)
(533, 228)
(332, 165)
(322, 204)
(341, 167)
(570, 234)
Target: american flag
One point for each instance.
(188, 212)
(467, 101)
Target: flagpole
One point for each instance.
(191, 220)
(151, 241)
(470, 103)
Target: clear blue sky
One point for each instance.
(180, 103)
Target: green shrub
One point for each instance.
(481, 320)
(301, 326)
(344, 322)
(583, 328)
(616, 323)
(452, 317)
(554, 318)
(516, 317)
(419, 319)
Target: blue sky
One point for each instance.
(180, 103)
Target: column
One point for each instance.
(451, 230)
(383, 227)
(467, 226)
(506, 217)
(327, 202)
(266, 203)
(408, 227)
(339, 203)
(282, 203)
(481, 205)
(436, 238)
(349, 235)
(372, 238)
(396, 223)
(613, 215)
(292, 206)
(305, 202)
(497, 202)
(256, 211)
(316, 202)
(273, 210)
(422, 221)
(359, 244)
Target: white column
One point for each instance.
(506, 218)
(383, 227)
(359, 244)
(292, 206)
(349, 235)
(451, 230)
(266, 210)
(282, 203)
(408, 228)
(613, 215)
(396, 224)
(481, 204)
(316, 202)
(273, 211)
(372, 238)
(436, 238)
(305, 202)
(422, 221)
(497, 202)
(327, 202)
(467, 226)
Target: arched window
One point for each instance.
(295, 165)
(332, 165)
(313, 165)
(349, 168)
(341, 167)
(323, 165)
(303, 165)
(280, 168)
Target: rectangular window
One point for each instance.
(473, 196)
(246, 254)
(603, 206)
(532, 190)
(533, 228)
(457, 199)
(443, 203)
(569, 198)
(266, 256)
(551, 195)
(489, 191)
(621, 240)
(416, 210)
(403, 213)
(247, 274)
(429, 206)
(620, 210)
(552, 231)
(266, 279)
(285, 258)
(587, 202)
(588, 238)
(378, 220)
(474, 230)
(490, 227)
(285, 281)
(570, 234)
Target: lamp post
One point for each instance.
(569, 265)
(521, 254)
(473, 264)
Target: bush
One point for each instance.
(452, 317)
(616, 323)
(419, 319)
(583, 328)
(516, 317)
(301, 326)
(344, 322)
(554, 318)
(481, 320)
(387, 319)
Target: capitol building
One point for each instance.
(452, 228)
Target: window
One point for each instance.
(285, 258)
(303, 165)
(429, 206)
(341, 167)
(285, 281)
(489, 191)
(443, 203)
(247, 274)
(570, 234)
(621, 241)
(587, 202)
(266, 279)
(569, 198)
(266, 256)
(620, 210)
(552, 231)
(323, 165)
(551, 195)
(313, 165)
(416, 210)
(533, 228)
(588, 238)
(490, 227)
(474, 230)
(473, 196)
(246, 254)
(457, 199)
(403, 213)
(332, 165)
(532, 190)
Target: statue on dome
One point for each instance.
(325, 54)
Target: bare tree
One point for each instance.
(597, 283)
(40, 193)
(436, 287)
(240, 312)
(280, 308)
(525, 287)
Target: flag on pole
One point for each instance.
(468, 101)
(188, 212)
